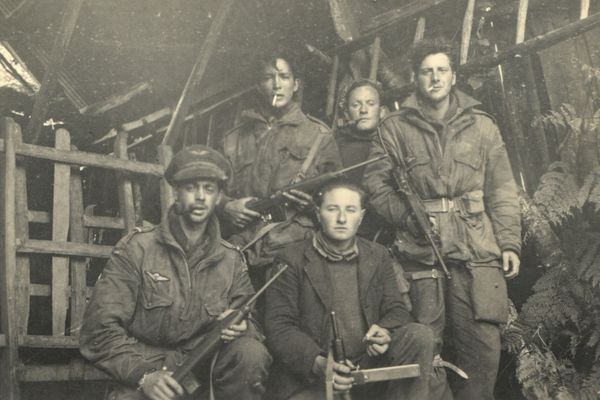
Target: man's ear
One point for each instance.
(296, 84)
(318, 213)
(453, 78)
(382, 112)
(362, 215)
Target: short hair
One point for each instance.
(342, 183)
(269, 59)
(357, 84)
(427, 47)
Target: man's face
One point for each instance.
(198, 199)
(364, 108)
(277, 81)
(340, 215)
(435, 78)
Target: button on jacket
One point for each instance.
(152, 301)
(461, 160)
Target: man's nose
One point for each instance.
(200, 194)
(435, 76)
(341, 218)
(363, 109)
(276, 82)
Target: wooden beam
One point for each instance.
(59, 51)
(146, 120)
(49, 342)
(466, 31)
(165, 153)
(124, 186)
(37, 246)
(419, 30)
(57, 373)
(385, 22)
(584, 9)
(39, 217)
(116, 100)
(332, 87)
(375, 54)
(2, 341)
(94, 221)
(324, 58)
(64, 79)
(60, 231)
(197, 73)
(537, 43)
(344, 22)
(81, 158)
(9, 359)
(521, 21)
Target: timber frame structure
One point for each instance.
(200, 114)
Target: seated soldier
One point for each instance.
(164, 286)
(337, 271)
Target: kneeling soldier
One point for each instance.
(164, 286)
(337, 271)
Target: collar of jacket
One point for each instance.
(318, 274)
(212, 249)
(350, 134)
(331, 254)
(294, 116)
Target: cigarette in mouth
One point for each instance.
(274, 101)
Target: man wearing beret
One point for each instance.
(164, 286)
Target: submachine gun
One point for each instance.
(361, 376)
(209, 344)
(274, 205)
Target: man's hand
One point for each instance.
(341, 381)
(159, 385)
(379, 340)
(237, 212)
(301, 200)
(510, 264)
(233, 331)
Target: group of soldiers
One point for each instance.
(164, 287)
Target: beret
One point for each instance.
(197, 162)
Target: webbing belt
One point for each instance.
(467, 202)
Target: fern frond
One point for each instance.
(556, 195)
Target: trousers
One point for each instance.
(446, 307)
(240, 371)
(411, 344)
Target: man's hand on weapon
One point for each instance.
(341, 381)
(159, 385)
(301, 200)
(510, 264)
(233, 331)
(378, 340)
(239, 214)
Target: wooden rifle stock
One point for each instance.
(339, 352)
(209, 344)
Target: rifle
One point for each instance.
(415, 204)
(339, 353)
(273, 205)
(209, 344)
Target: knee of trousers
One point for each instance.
(413, 338)
(249, 354)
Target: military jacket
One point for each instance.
(266, 154)
(151, 301)
(465, 161)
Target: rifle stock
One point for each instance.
(208, 346)
(273, 205)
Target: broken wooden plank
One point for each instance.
(9, 361)
(324, 58)
(584, 9)
(60, 231)
(59, 51)
(375, 54)
(183, 105)
(146, 120)
(467, 27)
(384, 22)
(332, 87)
(124, 186)
(344, 22)
(65, 80)
(22, 279)
(95, 221)
(167, 198)
(534, 44)
(116, 100)
(419, 30)
(38, 246)
(77, 234)
(521, 21)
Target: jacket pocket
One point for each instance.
(152, 317)
(489, 294)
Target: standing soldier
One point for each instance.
(163, 288)
(362, 110)
(453, 157)
(276, 144)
